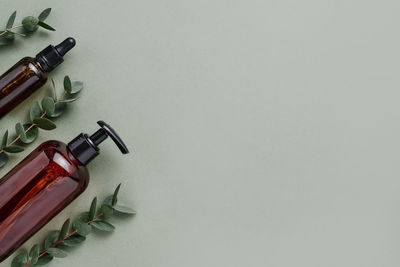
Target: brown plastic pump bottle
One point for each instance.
(29, 74)
(44, 183)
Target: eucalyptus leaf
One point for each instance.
(108, 200)
(43, 260)
(107, 211)
(9, 35)
(103, 226)
(115, 196)
(34, 254)
(57, 253)
(64, 229)
(83, 217)
(3, 159)
(53, 86)
(44, 14)
(67, 84)
(82, 228)
(77, 86)
(13, 149)
(93, 207)
(5, 139)
(44, 123)
(19, 129)
(30, 23)
(32, 134)
(59, 109)
(69, 98)
(35, 111)
(124, 209)
(51, 239)
(46, 26)
(11, 20)
(74, 240)
(48, 105)
(20, 260)
(81, 224)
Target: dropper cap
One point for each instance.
(85, 148)
(52, 56)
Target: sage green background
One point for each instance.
(263, 132)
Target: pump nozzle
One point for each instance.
(85, 148)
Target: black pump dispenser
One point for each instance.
(85, 148)
(50, 57)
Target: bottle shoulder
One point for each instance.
(31, 64)
(53, 144)
(55, 149)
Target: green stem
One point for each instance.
(60, 241)
(32, 125)
(13, 28)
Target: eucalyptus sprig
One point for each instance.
(29, 24)
(40, 117)
(72, 235)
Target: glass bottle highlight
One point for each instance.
(44, 183)
(29, 74)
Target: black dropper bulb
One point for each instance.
(52, 56)
(85, 148)
(65, 46)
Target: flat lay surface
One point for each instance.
(262, 133)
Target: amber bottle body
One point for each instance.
(35, 191)
(20, 82)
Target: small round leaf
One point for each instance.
(124, 210)
(82, 228)
(44, 123)
(9, 35)
(81, 224)
(51, 239)
(20, 260)
(108, 200)
(106, 210)
(77, 86)
(5, 139)
(83, 217)
(69, 98)
(19, 129)
(59, 109)
(45, 259)
(67, 84)
(48, 105)
(34, 254)
(57, 253)
(103, 226)
(74, 240)
(64, 229)
(32, 134)
(35, 111)
(13, 149)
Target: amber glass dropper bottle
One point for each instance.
(29, 74)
